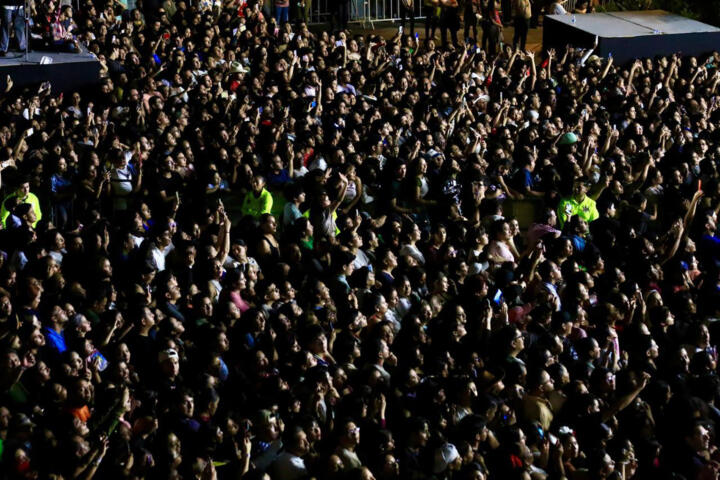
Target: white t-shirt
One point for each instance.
(121, 181)
(414, 252)
(319, 162)
(137, 240)
(557, 9)
(288, 467)
(361, 259)
(159, 256)
(122, 186)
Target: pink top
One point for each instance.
(241, 304)
(539, 230)
(500, 249)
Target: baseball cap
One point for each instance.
(444, 456)
(167, 355)
(568, 139)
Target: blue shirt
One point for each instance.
(578, 243)
(709, 249)
(56, 340)
(385, 278)
(526, 179)
(59, 184)
(278, 180)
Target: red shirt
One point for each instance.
(82, 413)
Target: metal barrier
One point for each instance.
(364, 12)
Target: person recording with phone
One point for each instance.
(13, 17)
(535, 406)
(62, 31)
(23, 195)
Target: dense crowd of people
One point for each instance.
(259, 252)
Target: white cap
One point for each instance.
(444, 456)
(167, 355)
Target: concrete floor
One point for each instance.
(389, 28)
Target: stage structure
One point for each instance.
(630, 35)
(65, 71)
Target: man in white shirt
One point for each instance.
(551, 276)
(556, 8)
(121, 182)
(160, 247)
(290, 465)
(344, 85)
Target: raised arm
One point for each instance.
(223, 246)
(551, 54)
(356, 200)
(607, 68)
(589, 52)
(690, 215)
(341, 196)
(533, 69)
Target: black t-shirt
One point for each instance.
(637, 220)
(170, 186)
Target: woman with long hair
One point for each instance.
(499, 249)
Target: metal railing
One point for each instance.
(364, 12)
